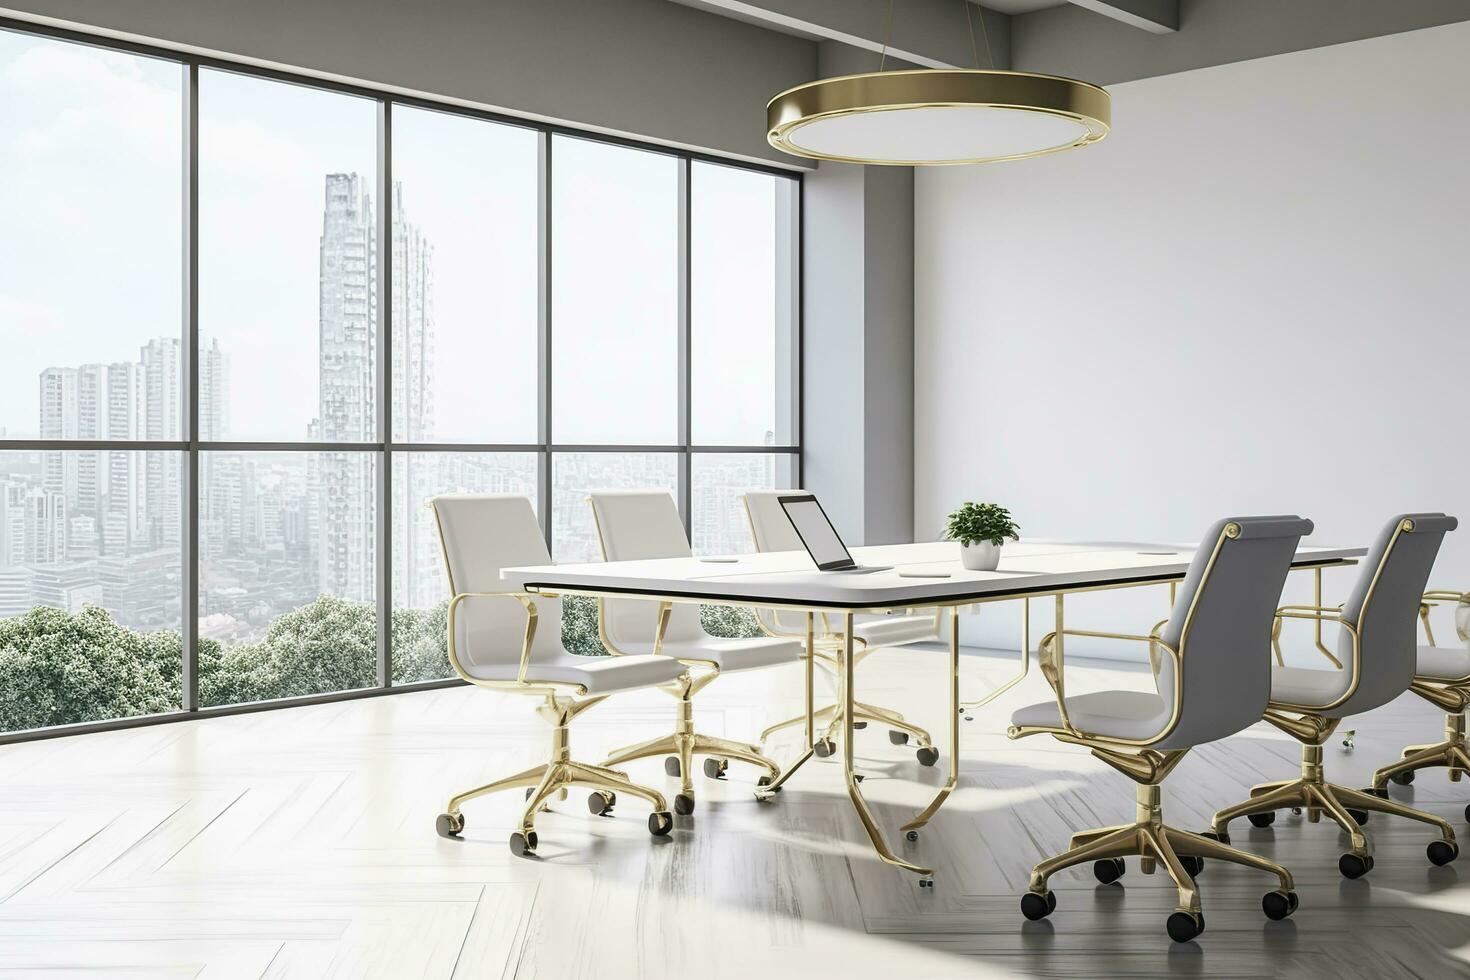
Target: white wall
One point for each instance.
(1251, 298)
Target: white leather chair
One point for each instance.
(1441, 677)
(772, 531)
(1377, 646)
(639, 524)
(1213, 682)
(511, 641)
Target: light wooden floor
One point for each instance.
(301, 843)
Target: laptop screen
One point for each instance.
(816, 531)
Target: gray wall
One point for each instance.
(646, 68)
(858, 319)
(1073, 41)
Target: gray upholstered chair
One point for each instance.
(511, 641)
(1441, 677)
(772, 531)
(1213, 682)
(639, 524)
(1377, 645)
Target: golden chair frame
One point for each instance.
(563, 702)
(684, 743)
(1311, 792)
(1181, 852)
(1451, 696)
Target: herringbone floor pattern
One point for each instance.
(301, 843)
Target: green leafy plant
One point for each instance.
(973, 523)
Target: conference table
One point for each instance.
(923, 576)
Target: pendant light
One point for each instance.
(937, 116)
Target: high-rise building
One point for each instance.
(346, 374)
(344, 512)
(416, 476)
(58, 417)
(163, 379)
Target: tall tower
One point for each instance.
(416, 581)
(59, 420)
(347, 374)
(343, 483)
(162, 378)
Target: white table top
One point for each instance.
(788, 577)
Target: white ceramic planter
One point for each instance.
(981, 556)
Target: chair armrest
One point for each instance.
(524, 598)
(1050, 659)
(1433, 598)
(1326, 615)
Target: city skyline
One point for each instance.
(276, 529)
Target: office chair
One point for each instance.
(1376, 644)
(772, 531)
(511, 641)
(1214, 681)
(1441, 677)
(637, 524)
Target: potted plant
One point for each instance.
(981, 530)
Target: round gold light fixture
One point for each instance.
(937, 116)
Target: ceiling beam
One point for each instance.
(931, 33)
(1154, 16)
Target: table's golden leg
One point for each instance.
(765, 792)
(954, 728)
(861, 805)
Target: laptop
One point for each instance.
(819, 537)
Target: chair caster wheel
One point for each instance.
(715, 768)
(1382, 794)
(1108, 870)
(1442, 852)
(898, 737)
(927, 756)
(1193, 864)
(660, 822)
(1402, 778)
(858, 726)
(824, 748)
(1467, 812)
(911, 836)
(449, 825)
(766, 781)
(1184, 926)
(600, 802)
(1036, 907)
(1360, 817)
(1223, 836)
(1262, 819)
(926, 882)
(1278, 904)
(683, 805)
(523, 845)
(672, 767)
(1355, 866)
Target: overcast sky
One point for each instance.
(90, 263)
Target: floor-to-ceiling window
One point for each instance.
(254, 323)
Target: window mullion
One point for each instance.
(189, 485)
(383, 528)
